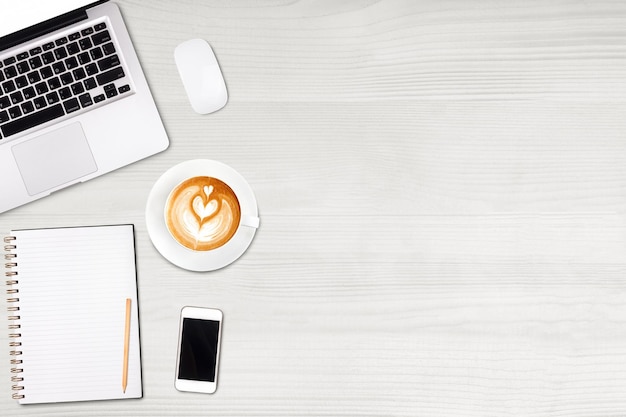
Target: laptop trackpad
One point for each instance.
(54, 159)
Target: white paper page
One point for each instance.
(73, 285)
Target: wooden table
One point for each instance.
(442, 192)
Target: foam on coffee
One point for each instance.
(202, 213)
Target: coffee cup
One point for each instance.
(201, 215)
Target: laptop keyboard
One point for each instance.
(58, 78)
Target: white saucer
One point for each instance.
(177, 253)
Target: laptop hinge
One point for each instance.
(45, 27)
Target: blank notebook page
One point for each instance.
(73, 286)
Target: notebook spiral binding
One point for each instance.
(14, 326)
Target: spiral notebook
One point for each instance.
(74, 325)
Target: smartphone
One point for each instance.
(199, 340)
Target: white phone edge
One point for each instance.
(203, 313)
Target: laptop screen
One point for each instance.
(25, 13)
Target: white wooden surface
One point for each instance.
(442, 190)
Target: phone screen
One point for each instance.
(198, 349)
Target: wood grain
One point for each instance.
(441, 190)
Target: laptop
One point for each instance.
(74, 102)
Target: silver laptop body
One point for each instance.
(74, 102)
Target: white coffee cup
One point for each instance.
(200, 189)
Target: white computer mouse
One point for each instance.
(201, 76)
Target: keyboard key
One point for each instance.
(73, 48)
(32, 120)
(110, 90)
(100, 26)
(40, 103)
(16, 97)
(85, 100)
(29, 93)
(61, 41)
(108, 62)
(10, 72)
(65, 93)
(96, 53)
(79, 74)
(33, 77)
(52, 97)
(90, 83)
(108, 48)
(8, 86)
(48, 46)
(78, 89)
(58, 67)
(87, 32)
(110, 75)
(4, 102)
(74, 36)
(2, 76)
(35, 51)
(54, 83)
(35, 62)
(21, 81)
(4, 116)
(60, 53)
(83, 58)
(22, 67)
(101, 37)
(85, 44)
(41, 88)
(71, 63)
(28, 107)
(47, 58)
(66, 78)
(124, 89)
(71, 105)
(99, 98)
(22, 56)
(9, 61)
(46, 72)
(15, 112)
(91, 69)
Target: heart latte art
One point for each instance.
(202, 213)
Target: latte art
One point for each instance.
(202, 213)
